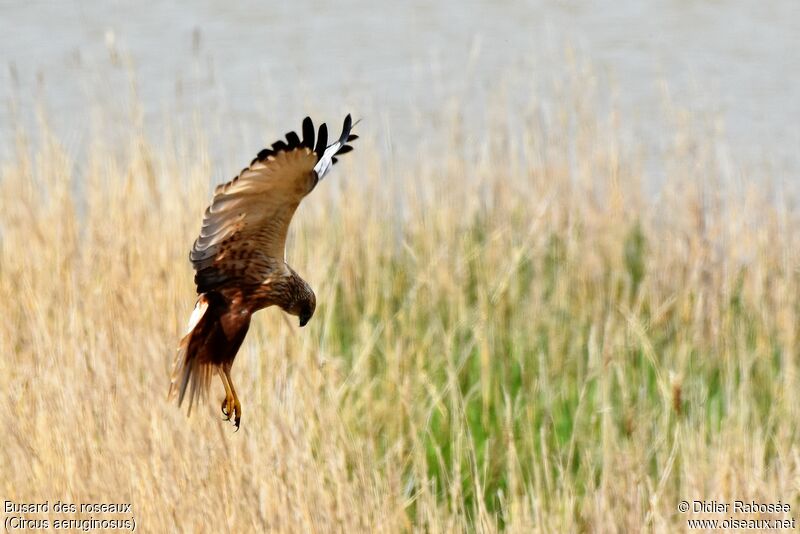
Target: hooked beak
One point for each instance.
(304, 321)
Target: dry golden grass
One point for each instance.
(511, 336)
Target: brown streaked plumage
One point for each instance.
(239, 259)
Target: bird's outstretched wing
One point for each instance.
(244, 229)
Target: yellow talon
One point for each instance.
(227, 404)
(237, 411)
(231, 405)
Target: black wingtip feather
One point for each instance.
(308, 133)
(264, 154)
(293, 140)
(322, 140)
(346, 127)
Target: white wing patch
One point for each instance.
(326, 161)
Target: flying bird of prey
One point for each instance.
(239, 259)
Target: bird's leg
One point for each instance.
(237, 406)
(227, 403)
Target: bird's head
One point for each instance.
(303, 305)
(306, 309)
(298, 299)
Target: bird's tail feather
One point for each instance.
(188, 372)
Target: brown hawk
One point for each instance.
(239, 259)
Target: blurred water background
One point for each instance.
(242, 72)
